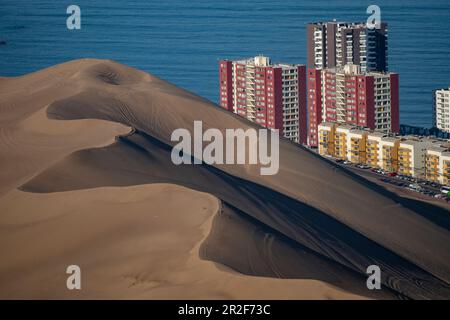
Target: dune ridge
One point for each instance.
(323, 221)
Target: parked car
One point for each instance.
(434, 185)
(445, 190)
(415, 187)
(392, 174)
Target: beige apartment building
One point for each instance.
(412, 156)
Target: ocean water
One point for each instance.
(182, 41)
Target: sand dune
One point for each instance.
(127, 245)
(308, 232)
(30, 141)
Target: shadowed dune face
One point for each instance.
(312, 220)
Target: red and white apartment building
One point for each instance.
(272, 95)
(348, 79)
(346, 95)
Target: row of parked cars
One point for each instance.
(425, 187)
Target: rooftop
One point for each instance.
(353, 69)
(263, 61)
(390, 139)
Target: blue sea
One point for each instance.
(182, 41)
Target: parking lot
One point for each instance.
(420, 187)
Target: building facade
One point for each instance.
(315, 110)
(438, 165)
(272, 95)
(373, 146)
(335, 44)
(326, 134)
(441, 110)
(411, 158)
(346, 95)
(388, 154)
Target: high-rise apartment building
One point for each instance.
(346, 95)
(335, 44)
(272, 95)
(441, 110)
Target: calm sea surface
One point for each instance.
(181, 41)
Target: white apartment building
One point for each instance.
(441, 110)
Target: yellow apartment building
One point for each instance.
(373, 149)
(446, 169)
(341, 138)
(437, 164)
(432, 172)
(388, 157)
(405, 159)
(326, 132)
(356, 146)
